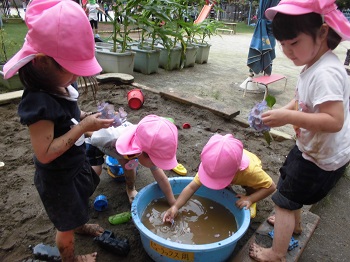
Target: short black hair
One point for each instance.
(286, 27)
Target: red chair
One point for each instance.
(265, 81)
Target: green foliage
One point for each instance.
(270, 100)
(205, 30)
(343, 4)
(243, 28)
(150, 19)
(12, 38)
(268, 137)
(121, 31)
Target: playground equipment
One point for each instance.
(203, 14)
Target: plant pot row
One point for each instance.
(147, 61)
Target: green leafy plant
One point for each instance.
(150, 19)
(204, 30)
(5, 45)
(121, 30)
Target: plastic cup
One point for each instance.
(100, 203)
(135, 98)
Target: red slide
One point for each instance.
(203, 14)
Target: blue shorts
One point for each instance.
(94, 155)
(302, 182)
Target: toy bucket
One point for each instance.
(135, 98)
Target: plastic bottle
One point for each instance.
(120, 218)
(46, 252)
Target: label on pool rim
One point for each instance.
(171, 253)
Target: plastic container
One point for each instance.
(160, 249)
(120, 218)
(135, 99)
(114, 169)
(100, 203)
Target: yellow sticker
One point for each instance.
(171, 253)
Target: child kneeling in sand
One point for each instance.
(224, 162)
(152, 143)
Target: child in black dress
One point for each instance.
(48, 64)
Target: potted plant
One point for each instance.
(119, 59)
(13, 83)
(202, 32)
(172, 42)
(190, 49)
(149, 20)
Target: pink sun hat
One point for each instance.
(59, 29)
(327, 8)
(154, 135)
(222, 157)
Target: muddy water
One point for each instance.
(200, 221)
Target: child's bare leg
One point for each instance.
(130, 177)
(86, 258)
(284, 225)
(65, 244)
(298, 228)
(94, 230)
(97, 169)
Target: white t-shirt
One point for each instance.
(105, 139)
(92, 11)
(326, 80)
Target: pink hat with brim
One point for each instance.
(332, 16)
(61, 30)
(222, 157)
(154, 135)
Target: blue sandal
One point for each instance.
(292, 243)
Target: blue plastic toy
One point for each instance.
(114, 169)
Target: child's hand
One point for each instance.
(243, 201)
(275, 117)
(170, 214)
(93, 123)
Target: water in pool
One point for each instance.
(200, 221)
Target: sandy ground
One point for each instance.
(23, 219)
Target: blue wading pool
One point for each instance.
(160, 249)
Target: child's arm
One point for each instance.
(329, 119)
(47, 148)
(101, 10)
(185, 195)
(247, 201)
(290, 105)
(164, 184)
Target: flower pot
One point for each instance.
(146, 60)
(170, 59)
(190, 55)
(103, 46)
(116, 62)
(202, 53)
